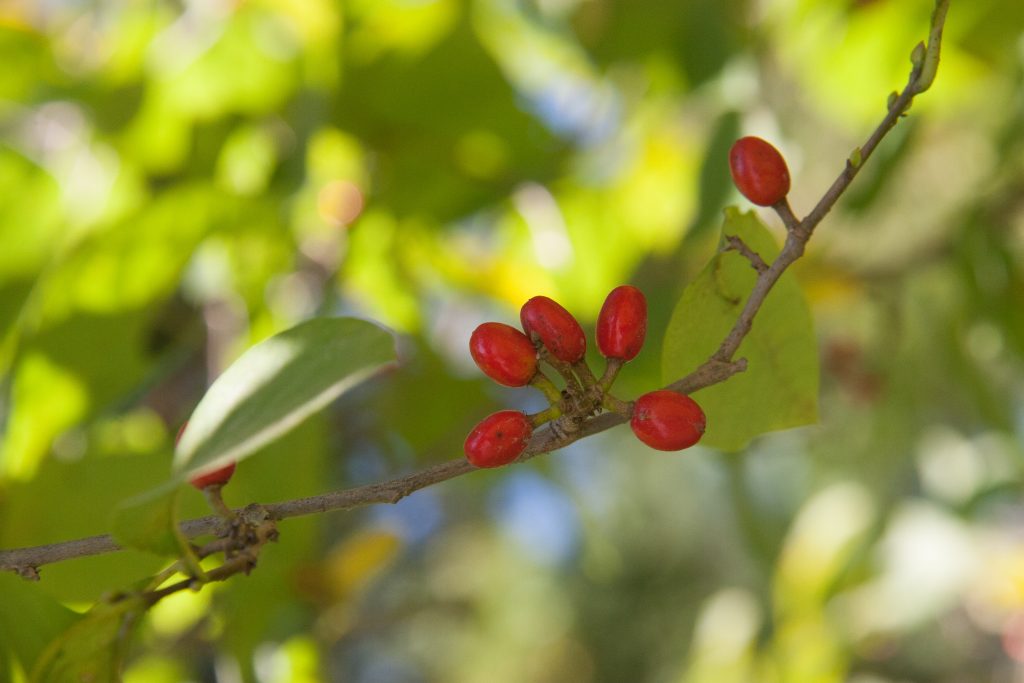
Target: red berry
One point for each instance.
(759, 171)
(217, 477)
(504, 353)
(622, 323)
(555, 327)
(667, 421)
(499, 439)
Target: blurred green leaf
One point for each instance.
(28, 62)
(30, 216)
(715, 178)
(277, 384)
(92, 649)
(72, 499)
(699, 35)
(426, 132)
(408, 400)
(30, 619)
(266, 604)
(149, 521)
(780, 387)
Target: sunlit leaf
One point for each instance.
(780, 387)
(277, 384)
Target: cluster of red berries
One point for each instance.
(664, 420)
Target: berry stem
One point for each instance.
(611, 371)
(592, 387)
(551, 413)
(572, 383)
(547, 387)
(617, 405)
(216, 501)
(586, 376)
(785, 212)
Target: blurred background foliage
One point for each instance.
(179, 180)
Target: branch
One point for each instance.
(736, 243)
(25, 561)
(718, 368)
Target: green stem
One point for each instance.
(552, 413)
(572, 383)
(189, 558)
(547, 387)
(617, 405)
(213, 497)
(611, 371)
(586, 376)
(930, 63)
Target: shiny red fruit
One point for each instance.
(759, 171)
(555, 327)
(622, 323)
(667, 421)
(504, 353)
(498, 439)
(218, 477)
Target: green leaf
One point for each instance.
(149, 521)
(91, 649)
(780, 386)
(30, 619)
(78, 498)
(277, 384)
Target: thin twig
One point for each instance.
(718, 368)
(736, 243)
(800, 232)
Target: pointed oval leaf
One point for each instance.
(780, 386)
(277, 384)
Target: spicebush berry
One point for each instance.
(759, 171)
(499, 439)
(218, 477)
(556, 328)
(667, 421)
(622, 323)
(504, 354)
